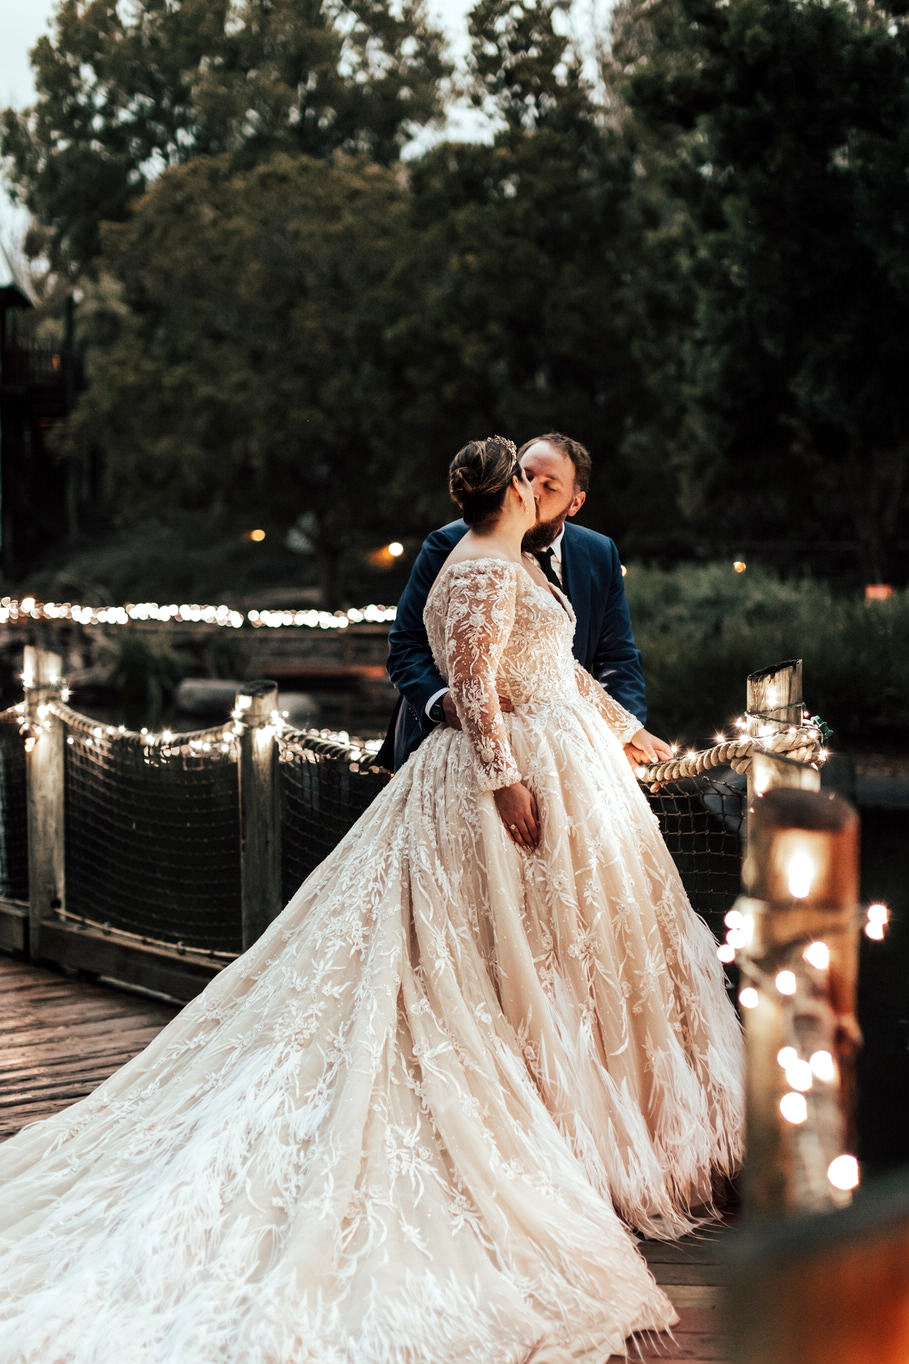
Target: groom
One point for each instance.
(582, 562)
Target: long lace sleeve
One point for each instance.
(479, 618)
(622, 723)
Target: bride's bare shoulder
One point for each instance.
(472, 554)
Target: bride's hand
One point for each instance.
(644, 747)
(517, 809)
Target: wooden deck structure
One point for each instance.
(61, 1036)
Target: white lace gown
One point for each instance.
(413, 1124)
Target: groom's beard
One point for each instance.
(542, 534)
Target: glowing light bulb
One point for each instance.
(799, 1076)
(748, 998)
(794, 1108)
(734, 918)
(823, 1067)
(878, 914)
(726, 953)
(739, 565)
(875, 931)
(843, 1173)
(395, 549)
(817, 954)
(787, 1056)
(786, 982)
(800, 874)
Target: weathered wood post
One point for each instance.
(774, 702)
(42, 676)
(797, 926)
(260, 821)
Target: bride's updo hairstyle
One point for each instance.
(479, 476)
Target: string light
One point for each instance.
(749, 998)
(189, 613)
(799, 1075)
(786, 982)
(817, 954)
(843, 1172)
(823, 1067)
(878, 916)
(794, 1108)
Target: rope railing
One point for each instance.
(184, 845)
(798, 743)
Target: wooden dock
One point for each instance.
(62, 1036)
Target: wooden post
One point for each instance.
(771, 771)
(773, 702)
(42, 674)
(822, 1290)
(799, 937)
(260, 822)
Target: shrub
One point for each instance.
(702, 629)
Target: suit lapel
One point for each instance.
(577, 586)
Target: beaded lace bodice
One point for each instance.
(494, 632)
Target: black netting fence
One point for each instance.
(13, 810)
(152, 835)
(152, 845)
(702, 819)
(325, 785)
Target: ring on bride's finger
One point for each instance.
(512, 827)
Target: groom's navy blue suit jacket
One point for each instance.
(603, 638)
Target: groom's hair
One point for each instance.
(576, 452)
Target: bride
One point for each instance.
(419, 1120)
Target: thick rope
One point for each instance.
(801, 745)
(130, 738)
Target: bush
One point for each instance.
(702, 629)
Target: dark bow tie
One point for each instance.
(546, 559)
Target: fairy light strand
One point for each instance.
(30, 609)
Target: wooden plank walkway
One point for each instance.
(60, 1037)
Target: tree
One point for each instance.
(126, 92)
(774, 139)
(245, 365)
(518, 265)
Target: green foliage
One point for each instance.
(187, 557)
(125, 92)
(248, 367)
(774, 137)
(698, 268)
(702, 630)
(517, 256)
(143, 670)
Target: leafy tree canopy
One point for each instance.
(242, 362)
(127, 88)
(774, 136)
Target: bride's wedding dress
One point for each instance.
(413, 1124)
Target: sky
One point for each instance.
(23, 21)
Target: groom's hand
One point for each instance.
(452, 718)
